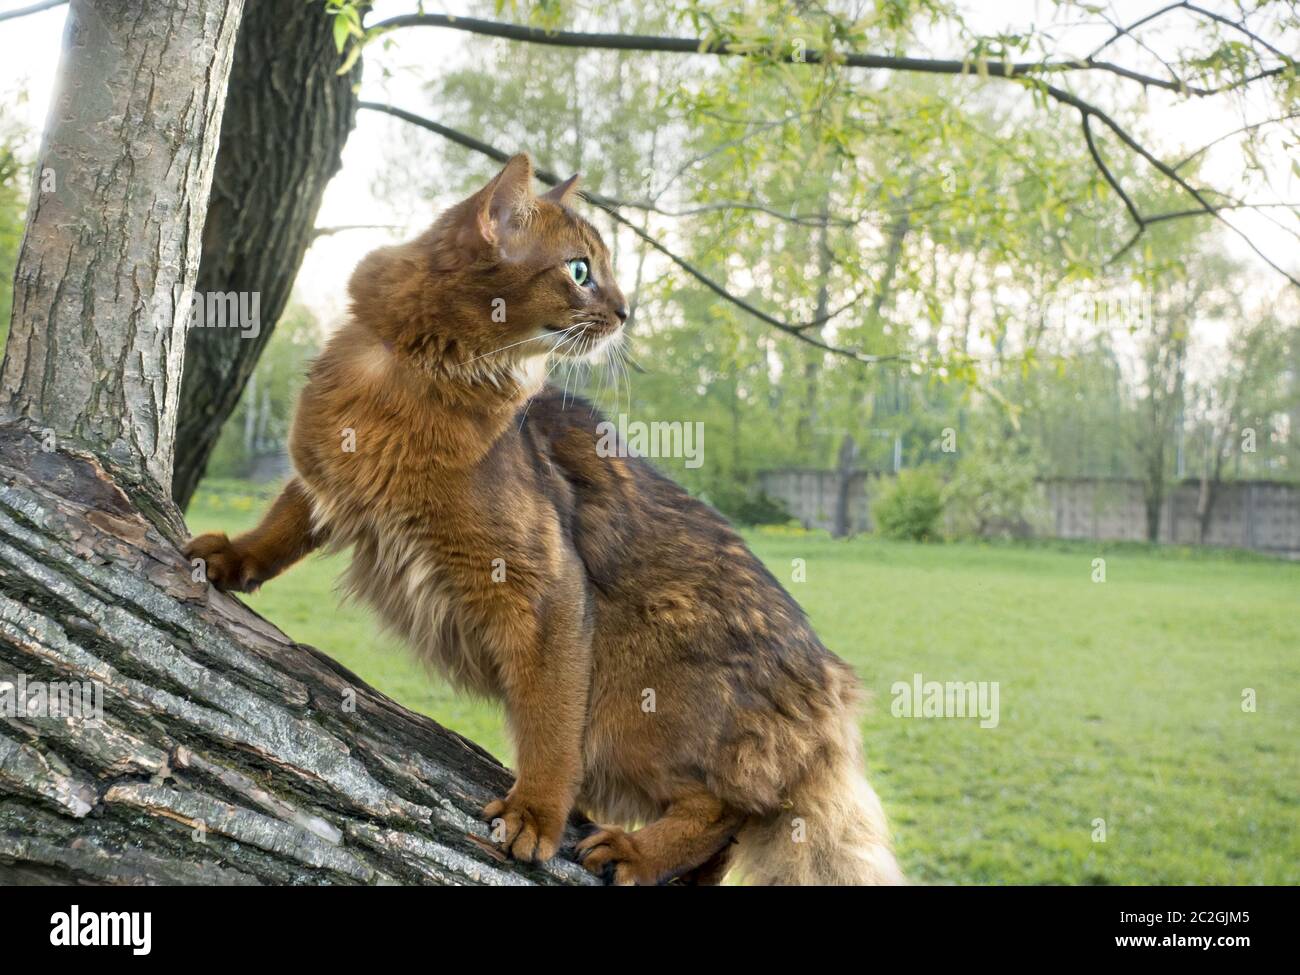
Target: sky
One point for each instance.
(29, 55)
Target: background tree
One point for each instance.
(288, 115)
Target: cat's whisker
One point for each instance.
(612, 367)
(552, 358)
(529, 405)
(531, 338)
(562, 348)
(623, 371)
(571, 364)
(604, 385)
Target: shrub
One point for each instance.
(993, 497)
(745, 508)
(910, 507)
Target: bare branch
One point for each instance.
(33, 9)
(343, 228)
(1228, 135)
(1240, 27)
(1109, 176)
(1127, 31)
(1066, 98)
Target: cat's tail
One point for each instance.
(834, 832)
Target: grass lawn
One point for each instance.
(1118, 700)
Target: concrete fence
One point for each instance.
(1261, 515)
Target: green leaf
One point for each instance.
(350, 60)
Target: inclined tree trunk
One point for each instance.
(227, 753)
(153, 730)
(287, 117)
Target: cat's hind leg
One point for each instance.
(696, 828)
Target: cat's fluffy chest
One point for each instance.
(400, 573)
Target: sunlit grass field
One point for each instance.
(1119, 701)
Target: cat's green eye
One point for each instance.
(578, 270)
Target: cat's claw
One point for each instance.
(225, 565)
(611, 854)
(527, 831)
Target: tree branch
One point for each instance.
(33, 9)
(1108, 175)
(319, 232)
(1228, 135)
(852, 59)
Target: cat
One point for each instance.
(652, 670)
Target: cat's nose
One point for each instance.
(621, 312)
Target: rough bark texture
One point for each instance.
(106, 237)
(227, 753)
(287, 118)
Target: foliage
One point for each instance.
(750, 508)
(910, 506)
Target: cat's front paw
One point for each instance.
(225, 565)
(527, 829)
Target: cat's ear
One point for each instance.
(507, 196)
(562, 193)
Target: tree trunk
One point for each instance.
(1209, 487)
(805, 430)
(153, 730)
(1153, 485)
(1154, 505)
(287, 118)
(108, 236)
(226, 753)
(843, 525)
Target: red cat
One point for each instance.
(652, 670)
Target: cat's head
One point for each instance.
(502, 278)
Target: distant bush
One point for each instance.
(993, 497)
(911, 506)
(746, 508)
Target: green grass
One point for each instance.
(1119, 700)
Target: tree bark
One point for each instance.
(287, 118)
(215, 750)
